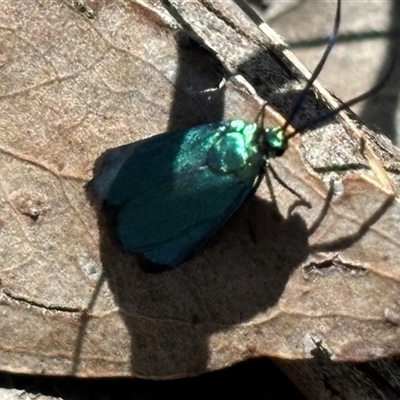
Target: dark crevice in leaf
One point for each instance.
(340, 168)
(32, 303)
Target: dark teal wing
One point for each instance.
(168, 201)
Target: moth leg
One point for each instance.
(301, 200)
(324, 209)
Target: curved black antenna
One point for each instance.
(318, 68)
(371, 92)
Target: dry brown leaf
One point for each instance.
(77, 82)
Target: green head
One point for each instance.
(274, 141)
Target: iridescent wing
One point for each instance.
(168, 201)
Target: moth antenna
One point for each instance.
(364, 96)
(318, 68)
(261, 114)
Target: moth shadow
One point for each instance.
(241, 272)
(173, 318)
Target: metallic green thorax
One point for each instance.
(235, 151)
(241, 148)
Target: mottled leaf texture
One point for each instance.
(314, 262)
